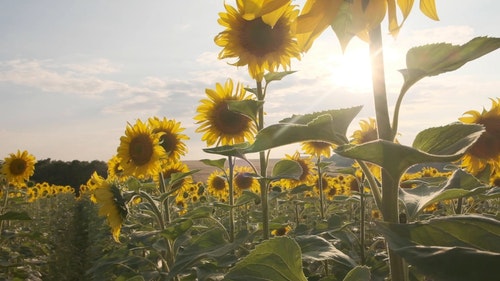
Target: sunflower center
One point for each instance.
(18, 166)
(169, 142)
(141, 149)
(229, 122)
(243, 182)
(218, 183)
(261, 39)
(486, 147)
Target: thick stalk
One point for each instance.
(263, 169)
(389, 208)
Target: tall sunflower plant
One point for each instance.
(266, 35)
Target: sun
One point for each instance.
(351, 70)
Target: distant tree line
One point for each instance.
(73, 173)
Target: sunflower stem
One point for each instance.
(390, 208)
(263, 169)
(231, 197)
(320, 185)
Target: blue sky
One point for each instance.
(73, 73)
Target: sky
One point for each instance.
(74, 73)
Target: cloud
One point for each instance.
(49, 76)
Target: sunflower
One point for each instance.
(140, 151)
(218, 123)
(218, 186)
(318, 148)
(171, 138)
(115, 170)
(244, 180)
(18, 167)
(486, 150)
(281, 231)
(367, 133)
(169, 169)
(357, 18)
(261, 34)
(111, 204)
(307, 176)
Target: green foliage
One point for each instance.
(434, 59)
(286, 262)
(464, 246)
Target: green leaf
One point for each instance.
(469, 231)
(276, 76)
(11, 215)
(247, 197)
(359, 273)
(434, 59)
(316, 248)
(454, 138)
(450, 248)
(341, 119)
(236, 150)
(286, 169)
(177, 228)
(277, 259)
(420, 197)
(249, 108)
(208, 245)
(199, 213)
(219, 163)
(462, 180)
(320, 129)
(452, 263)
(397, 158)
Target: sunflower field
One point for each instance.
(343, 208)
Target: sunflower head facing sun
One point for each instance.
(171, 138)
(218, 124)
(486, 150)
(261, 34)
(140, 151)
(18, 167)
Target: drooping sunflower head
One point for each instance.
(18, 167)
(261, 34)
(486, 150)
(218, 124)
(318, 148)
(111, 204)
(366, 133)
(171, 138)
(140, 151)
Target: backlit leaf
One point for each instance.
(277, 259)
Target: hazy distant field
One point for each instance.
(205, 170)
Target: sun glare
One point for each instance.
(351, 70)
